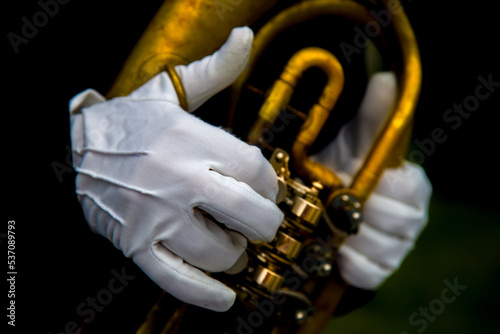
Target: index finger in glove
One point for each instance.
(236, 205)
(183, 281)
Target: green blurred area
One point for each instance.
(460, 244)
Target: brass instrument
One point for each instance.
(291, 284)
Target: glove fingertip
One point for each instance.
(357, 270)
(243, 34)
(183, 281)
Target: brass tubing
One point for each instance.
(279, 97)
(385, 147)
(182, 32)
(318, 114)
(178, 86)
(290, 16)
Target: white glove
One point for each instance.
(396, 212)
(148, 172)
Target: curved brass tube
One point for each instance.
(317, 115)
(279, 97)
(185, 31)
(290, 16)
(399, 124)
(396, 130)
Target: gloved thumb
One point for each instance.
(206, 77)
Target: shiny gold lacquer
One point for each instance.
(387, 148)
(180, 33)
(187, 30)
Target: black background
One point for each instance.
(60, 262)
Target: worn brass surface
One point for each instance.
(182, 32)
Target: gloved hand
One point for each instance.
(396, 212)
(149, 173)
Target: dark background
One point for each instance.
(60, 263)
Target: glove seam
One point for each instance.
(102, 207)
(252, 193)
(112, 181)
(155, 100)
